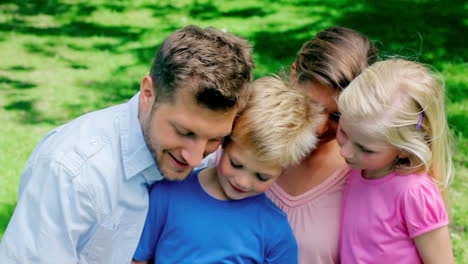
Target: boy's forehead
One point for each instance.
(250, 152)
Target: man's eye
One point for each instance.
(235, 165)
(182, 133)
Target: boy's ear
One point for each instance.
(147, 94)
(292, 74)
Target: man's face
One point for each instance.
(181, 133)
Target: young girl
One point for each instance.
(394, 135)
(220, 214)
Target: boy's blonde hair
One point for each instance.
(393, 96)
(279, 123)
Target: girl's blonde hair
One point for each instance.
(279, 122)
(395, 96)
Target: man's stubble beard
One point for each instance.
(153, 147)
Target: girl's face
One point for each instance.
(241, 175)
(325, 96)
(375, 157)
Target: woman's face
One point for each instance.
(326, 96)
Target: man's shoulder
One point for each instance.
(89, 142)
(87, 132)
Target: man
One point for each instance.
(83, 194)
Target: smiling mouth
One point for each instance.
(236, 189)
(179, 163)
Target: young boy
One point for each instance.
(220, 214)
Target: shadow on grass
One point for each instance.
(50, 7)
(208, 10)
(110, 92)
(47, 51)
(281, 44)
(7, 83)
(428, 31)
(456, 91)
(6, 211)
(20, 68)
(459, 128)
(75, 29)
(277, 49)
(27, 112)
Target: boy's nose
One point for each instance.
(243, 182)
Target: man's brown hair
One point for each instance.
(215, 64)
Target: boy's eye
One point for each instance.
(236, 165)
(261, 177)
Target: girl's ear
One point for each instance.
(403, 154)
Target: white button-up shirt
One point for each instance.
(83, 195)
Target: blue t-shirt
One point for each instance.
(187, 225)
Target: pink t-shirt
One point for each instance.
(314, 217)
(381, 217)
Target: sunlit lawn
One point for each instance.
(59, 59)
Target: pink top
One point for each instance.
(381, 217)
(314, 217)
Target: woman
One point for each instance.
(310, 193)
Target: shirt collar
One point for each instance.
(137, 158)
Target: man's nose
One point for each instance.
(194, 152)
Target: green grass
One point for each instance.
(62, 58)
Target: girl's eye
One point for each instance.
(365, 150)
(235, 165)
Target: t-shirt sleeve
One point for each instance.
(423, 209)
(282, 244)
(154, 223)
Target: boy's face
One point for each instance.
(241, 175)
(181, 133)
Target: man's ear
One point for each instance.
(292, 74)
(147, 94)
